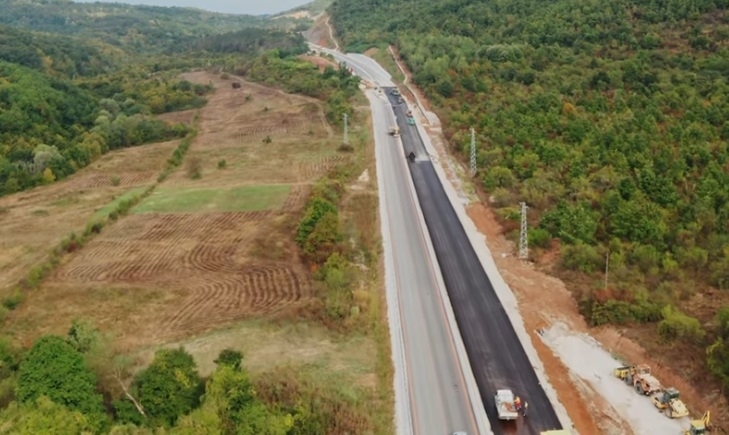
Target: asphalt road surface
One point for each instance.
(438, 397)
(497, 358)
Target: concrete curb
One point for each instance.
(504, 293)
(403, 422)
(474, 396)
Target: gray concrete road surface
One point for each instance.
(497, 357)
(438, 399)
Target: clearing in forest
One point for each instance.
(213, 244)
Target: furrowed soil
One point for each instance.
(211, 246)
(33, 221)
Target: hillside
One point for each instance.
(139, 28)
(610, 120)
(68, 98)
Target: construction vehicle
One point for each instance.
(700, 427)
(505, 405)
(668, 400)
(640, 378)
(394, 131)
(411, 120)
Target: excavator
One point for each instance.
(668, 400)
(700, 427)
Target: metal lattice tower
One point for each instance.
(473, 153)
(345, 140)
(523, 238)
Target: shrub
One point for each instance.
(115, 180)
(315, 211)
(222, 164)
(194, 168)
(677, 325)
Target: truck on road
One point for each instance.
(505, 405)
(411, 119)
(394, 131)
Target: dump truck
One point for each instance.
(505, 405)
(700, 427)
(668, 400)
(394, 131)
(640, 378)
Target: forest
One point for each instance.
(610, 120)
(65, 100)
(137, 28)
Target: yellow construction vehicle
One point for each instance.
(668, 400)
(640, 378)
(699, 427)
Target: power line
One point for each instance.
(523, 237)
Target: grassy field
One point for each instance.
(247, 198)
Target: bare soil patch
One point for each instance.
(319, 32)
(33, 221)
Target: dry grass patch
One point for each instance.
(201, 263)
(268, 345)
(264, 136)
(34, 221)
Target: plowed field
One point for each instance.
(200, 252)
(34, 221)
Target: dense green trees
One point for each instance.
(57, 393)
(136, 28)
(54, 369)
(607, 118)
(49, 127)
(169, 388)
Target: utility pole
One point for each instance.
(346, 133)
(607, 268)
(473, 153)
(523, 238)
